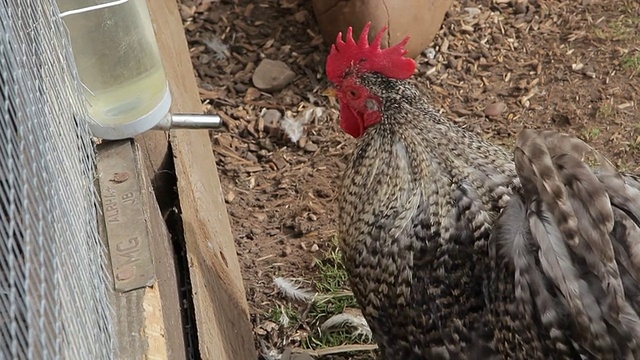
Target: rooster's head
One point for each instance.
(349, 62)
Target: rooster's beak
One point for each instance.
(330, 92)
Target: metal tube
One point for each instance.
(189, 121)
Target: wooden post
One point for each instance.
(222, 313)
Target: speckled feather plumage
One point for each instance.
(450, 257)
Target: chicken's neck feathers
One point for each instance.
(460, 175)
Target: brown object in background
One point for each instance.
(420, 19)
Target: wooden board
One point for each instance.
(148, 320)
(154, 146)
(222, 315)
(125, 219)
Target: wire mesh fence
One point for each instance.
(54, 297)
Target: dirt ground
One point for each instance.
(496, 67)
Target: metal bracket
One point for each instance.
(124, 216)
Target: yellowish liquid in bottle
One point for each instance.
(117, 58)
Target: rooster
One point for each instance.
(459, 249)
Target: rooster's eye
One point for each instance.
(353, 93)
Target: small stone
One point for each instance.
(311, 147)
(495, 109)
(314, 248)
(272, 117)
(239, 87)
(272, 75)
(204, 59)
(303, 141)
(252, 94)
(301, 16)
(251, 157)
(472, 11)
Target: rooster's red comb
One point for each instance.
(362, 57)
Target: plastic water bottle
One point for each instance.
(119, 65)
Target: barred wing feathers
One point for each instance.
(572, 238)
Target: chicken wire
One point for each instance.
(54, 284)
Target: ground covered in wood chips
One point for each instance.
(496, 67)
